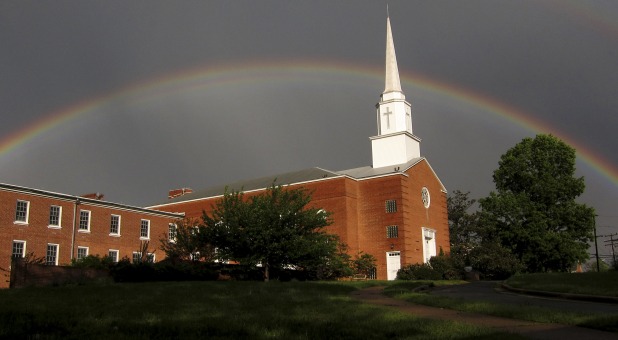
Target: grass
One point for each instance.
(407, 291)
(256, 310)
(592, 283)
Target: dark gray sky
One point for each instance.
(241, 89)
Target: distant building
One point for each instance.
(394, 209)
(59, 227)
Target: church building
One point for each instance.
(394, 209)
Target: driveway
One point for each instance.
(491, 291)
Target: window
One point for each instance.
(392, 231)
(19, 249)
(144, 231)
(114, 225)
(171, 233)
(391, 206)
(137, 257)
(55, 213)
(21, 211)
(84, 220)
(51, 259)
(113, 254)
(82, 252)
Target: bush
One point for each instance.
(494, 262)
(93, 261)
(419, 271)
(445, 266)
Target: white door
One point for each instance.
(393, 264)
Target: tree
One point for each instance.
(275, 229)
(189, 242)
(364, 264)
(464, 226)
(533, 211)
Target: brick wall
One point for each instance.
(37, 232)
(358, 209)
(36, 275)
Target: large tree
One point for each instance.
(533, 211)
(474, 243)
(275, 229)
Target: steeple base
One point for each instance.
(395, 148)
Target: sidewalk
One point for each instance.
(529, 329)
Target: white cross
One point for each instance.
(388, 121)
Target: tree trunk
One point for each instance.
(266, 272)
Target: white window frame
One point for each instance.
(23, 249)
(80, 229)
(141, 226)
(111, 219)
(27, 215)
(57, 255)
(171, 232)
(115, 251)
(59, 225)
(82, 248)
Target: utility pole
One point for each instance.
(596, 247)
(611, 244)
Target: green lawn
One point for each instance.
(255, 310)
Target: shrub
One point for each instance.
(418, 271)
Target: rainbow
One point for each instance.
(231, 74)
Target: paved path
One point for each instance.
(491, 291)
(530, 329)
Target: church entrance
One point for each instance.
(429, 244)
(393, 264)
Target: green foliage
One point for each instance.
(363, 264)
(534, 213)
(445, 266)
(418, 271)
(93, 261)
(189, 243)
(166, 270)
(493, 261)
(276, 229)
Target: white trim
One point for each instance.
(117, 234)
(27, 212)
(79, 224)
(85, 201)
(114, 251)
(141, 224)
(59, 225)
(87, 252)
(23, 250)
(57, 253)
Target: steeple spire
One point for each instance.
(395, 143)
(392, 82)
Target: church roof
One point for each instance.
(300, 176)
(297, 177)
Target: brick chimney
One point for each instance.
(179, 192)
(95, 196)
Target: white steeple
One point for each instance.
(395, 143)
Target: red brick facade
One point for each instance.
(360, 219)
(36, 232)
